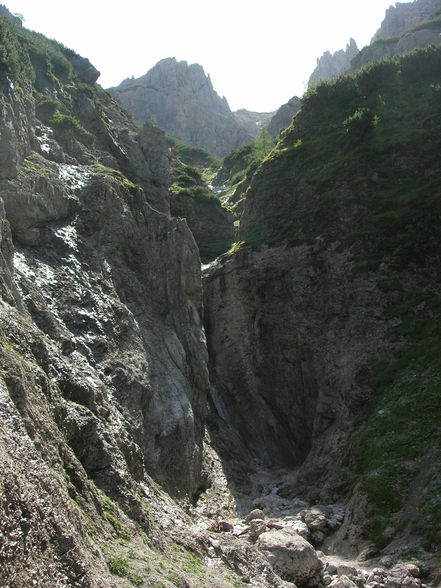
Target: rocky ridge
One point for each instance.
(417, 27)
(404, 15)
(180, 98)
(329, 66)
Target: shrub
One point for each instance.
(67, 122)
(422, 64)
(377, 76)
(360, 122)
(9, 51)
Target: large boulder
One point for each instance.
(290, 556)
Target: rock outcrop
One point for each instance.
(404, 15)
(103, 362)
(410, 26)
(329, 66)
(180, 98)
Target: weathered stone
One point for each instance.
(256, 513)
(346, 570)
(342, 582)
(404, 15)
(314, 519)
(256, 528)
(290, 556)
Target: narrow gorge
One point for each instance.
(269, 417)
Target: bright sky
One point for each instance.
(258, 54)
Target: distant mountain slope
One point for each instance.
(183, 102)
(253, 122)
(283, 116)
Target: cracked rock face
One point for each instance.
(103, 361)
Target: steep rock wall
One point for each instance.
(288, 331)
(103, 375)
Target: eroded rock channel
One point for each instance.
(167, 429)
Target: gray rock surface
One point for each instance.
(290, 556)
(180, 98)
(404, 29)
(253, 122)
(403, 15)
(103, 364)
(314, 374)
(329, 66)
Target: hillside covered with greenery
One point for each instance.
(359, 171)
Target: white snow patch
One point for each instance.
(21, 265)
(68, 235)
(45, 134)
(73, 177)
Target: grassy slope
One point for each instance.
(192, 170)
(359, 168)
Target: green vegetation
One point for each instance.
(239, 167)
(11, 53)
(35, 165)
(393, 445)
(111, 513)
(115, 174)
(193, 565)
(66, 122)
(359, 165)
(120, 566)
(206, 163)
(188, 182)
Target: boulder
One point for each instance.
(342, 582)
(290, 556)
(256, 513)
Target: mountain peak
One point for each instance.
(181, 99)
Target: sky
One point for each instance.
(258, 54)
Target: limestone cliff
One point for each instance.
(180, 98)
(329, 66)
(425, 30)
(253, 122)
(404, 15)
(103, 363)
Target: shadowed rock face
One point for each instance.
(288, 355)
(181, 99)
(283, 116)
